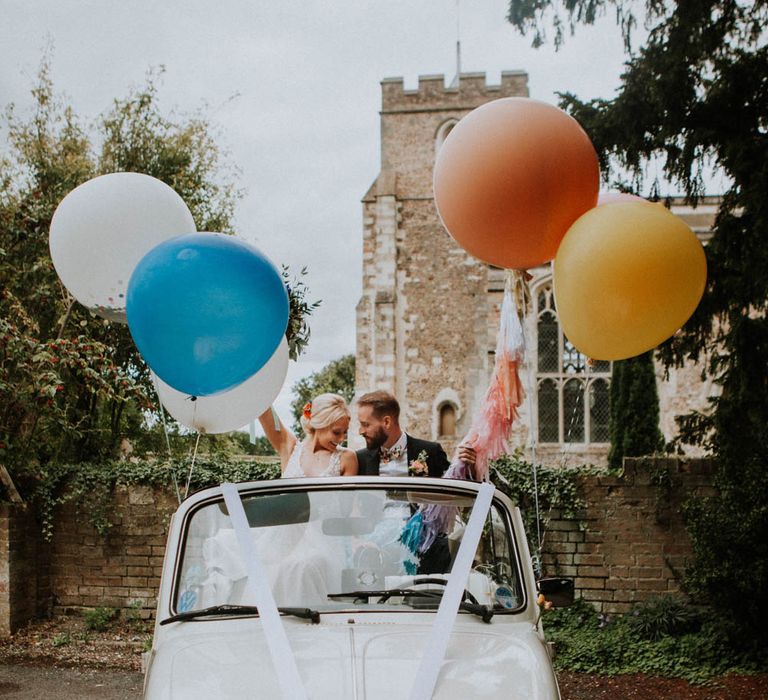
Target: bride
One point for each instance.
(325, 422)
(304, 566)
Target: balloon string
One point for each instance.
(523, 304)
(168, 445)
(192, 465)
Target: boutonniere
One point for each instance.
(418, 466)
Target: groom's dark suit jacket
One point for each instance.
(437, 462)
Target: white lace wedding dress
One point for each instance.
(300, 561)
(293, 468)
(302, 564)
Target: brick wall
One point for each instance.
(121, 569)
(630, 543)
(24, 569)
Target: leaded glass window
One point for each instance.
(548, 411)
(599, 410)
(549, 330)
(573, 411)
(572, 394)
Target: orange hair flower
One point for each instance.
(307, 410)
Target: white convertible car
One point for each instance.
(368, 588)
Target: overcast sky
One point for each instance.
(294, 89)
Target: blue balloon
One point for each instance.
(206, 311)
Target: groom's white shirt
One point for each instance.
(399, 466)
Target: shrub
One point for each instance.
(61, 640)
(133, 613)
(634, 423)
(686, 645)
(98, 619)
(662, 616)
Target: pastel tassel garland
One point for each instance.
(492, 423)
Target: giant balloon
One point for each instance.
(626, 277)
(614, 197)
(231, 409)
(206, 311)
(101, 230)
(511, 177)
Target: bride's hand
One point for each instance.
(467, 455)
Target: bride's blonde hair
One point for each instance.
(324, 410)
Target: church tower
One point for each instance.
(427, 318)
(429, 313)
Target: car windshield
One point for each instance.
(325, 548)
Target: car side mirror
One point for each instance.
(558, 591)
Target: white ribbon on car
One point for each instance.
(437, 645)
(283, 659)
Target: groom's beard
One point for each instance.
(375, 442)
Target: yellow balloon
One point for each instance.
(626, 277)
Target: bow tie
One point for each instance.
(387, 455)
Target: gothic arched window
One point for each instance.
(442, 132)
(447, 420)
(572, 394)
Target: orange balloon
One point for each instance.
(510, 179)
(626, 277)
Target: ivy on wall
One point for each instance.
(91, 485)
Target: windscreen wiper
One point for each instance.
(475, 608)
(216, 610)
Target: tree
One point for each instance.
(73, 385)
(634, 423)
(697, 94)
(337, 377)
(242, 443)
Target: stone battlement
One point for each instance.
(433, 93)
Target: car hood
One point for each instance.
(370, 660)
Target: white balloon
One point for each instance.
(101, 230)
(232, 409)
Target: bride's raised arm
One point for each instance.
(282, 439)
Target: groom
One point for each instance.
(391, 452)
